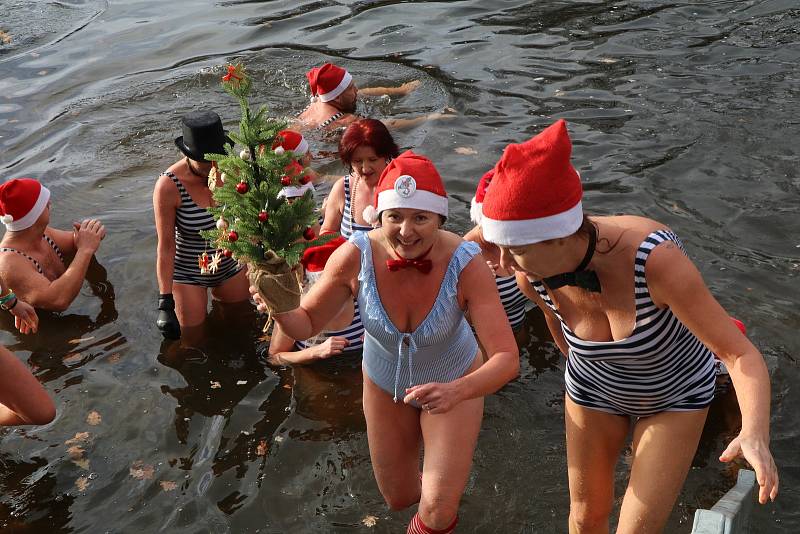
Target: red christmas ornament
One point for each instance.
(233, 236)
(305, 179)
(263, 216)
(242, 187)
(286, 181)
(227, 253)
(308, 234)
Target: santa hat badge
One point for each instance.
(408, 181)
(328, 81)
(476, 206)
(22, 201)
(536, 193)
(315, 258)
(290, 140)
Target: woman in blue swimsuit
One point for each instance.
(640, 330)
(424, 381)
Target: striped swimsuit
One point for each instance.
(36, 263)
(660, 367)
(190, 219)
(441, 349)
(514, 301)
(354, 334)
(349, 225)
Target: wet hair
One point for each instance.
(367, 132)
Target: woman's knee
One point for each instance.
(589, 517)
(437, 511)
(397, 500)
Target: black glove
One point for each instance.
(167, 321)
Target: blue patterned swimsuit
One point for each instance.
(441, 349)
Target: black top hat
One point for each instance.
(202, 134)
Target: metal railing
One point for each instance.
(731, 514)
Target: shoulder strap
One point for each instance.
(643, 252)
(35, 263)
(54, 246)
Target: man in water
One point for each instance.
(32, 254)
(335, 94)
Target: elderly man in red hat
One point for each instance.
(33, 255)
(334, 95)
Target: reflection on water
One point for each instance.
(683, 111)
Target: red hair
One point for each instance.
(367, 132)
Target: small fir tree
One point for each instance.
(254, 224)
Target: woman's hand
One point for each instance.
(434, 397)
(25, 318)
(756, 451)
(330, 347)
(260, 305)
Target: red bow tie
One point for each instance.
(421, 264)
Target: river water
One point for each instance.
(686, 112)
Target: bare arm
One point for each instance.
(282, 349)
(402, 90)
(334, 208)
(404, 124)
(64, 239)
(479, 293)
(327, 297)
(674, 281)
(23, 400)
(165, 205)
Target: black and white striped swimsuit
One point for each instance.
(36, 263)
(330, 120)
(354, 333)
(513, 300)
(660, 367)
(349, 226)
(190, 219)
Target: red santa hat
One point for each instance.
(536, 193)
(409, 181)
(476, 206)
(290, 140)
(328, 81)
(22, 201)
(315, 258)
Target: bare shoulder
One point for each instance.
(15, 268)
(345, 261)
(165, 190)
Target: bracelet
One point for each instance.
(7, 298)
(9, 308)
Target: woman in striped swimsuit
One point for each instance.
(365, 149)
(180, 200)
(640, 330)
(424, 380)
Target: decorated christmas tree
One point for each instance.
(254, 224)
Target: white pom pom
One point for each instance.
(370, 215)
(7, 219)
(279, 150)
(222, 224)
(476, 211)
(314, 99)
(223, 177)
(245, 154)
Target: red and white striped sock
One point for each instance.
(416, 526)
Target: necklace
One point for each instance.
(191, 170)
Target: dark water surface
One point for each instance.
(683, 111)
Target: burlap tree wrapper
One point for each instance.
(278, 284)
